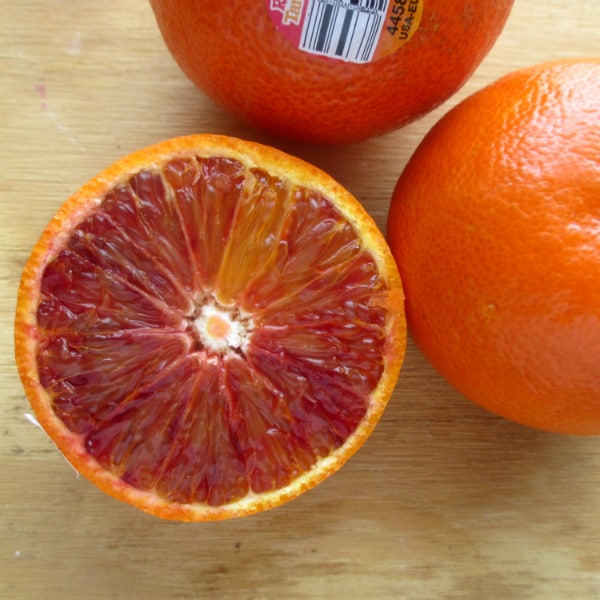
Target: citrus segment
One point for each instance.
(209, 328)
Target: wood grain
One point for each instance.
(445, 501)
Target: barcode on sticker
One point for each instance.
(344, 29)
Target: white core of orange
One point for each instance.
(219, 331)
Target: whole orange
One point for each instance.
(329, 71)
(495, 224)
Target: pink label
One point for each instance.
(288, 16)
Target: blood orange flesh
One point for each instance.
(204, 334)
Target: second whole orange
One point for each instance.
(329, 72)
(495, 224)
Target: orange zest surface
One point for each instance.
(495, 223)
(209, 328)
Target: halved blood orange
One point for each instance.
(209, 328)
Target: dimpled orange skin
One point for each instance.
(495, 224)
(234, 53)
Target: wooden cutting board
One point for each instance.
(445, 501)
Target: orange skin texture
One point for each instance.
(495, 224)
(235, 54)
